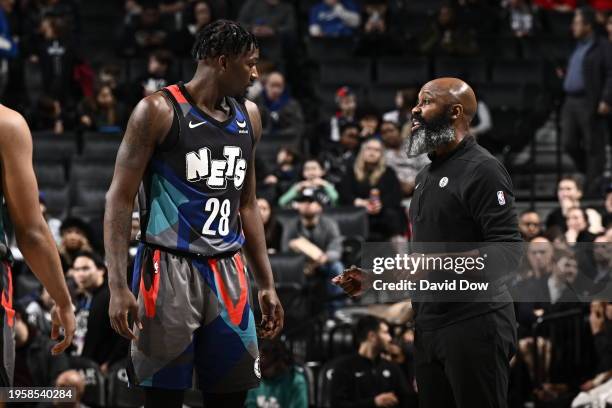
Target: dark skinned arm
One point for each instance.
(255, 243)
(31, 231)
(148, 125)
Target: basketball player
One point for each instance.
(190, 149)
(19, 194)
(462, 349)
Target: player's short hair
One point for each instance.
(223, 37)
(365, 325)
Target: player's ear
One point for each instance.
(223, 61)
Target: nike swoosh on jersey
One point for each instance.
(241, 124)
(195, 125)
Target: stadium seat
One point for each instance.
(402, 71)
(355, 71)
(557, 23)
(353, 221)
(556, 49)
(57, 199)
(95, 391)
(188, 68)
(50, 175)
(472, 70)
(498, 96)
(383, 97)
(119, 394)
(518, 72)
(89, 198)
(500, 47)
(90, 173)
(51, 147)
(310, 382)
(341, 340)
(324, 48)
(100, 151)
(288, 269)
(324, 382)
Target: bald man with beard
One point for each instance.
(462, 348)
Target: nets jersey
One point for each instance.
(190, 195)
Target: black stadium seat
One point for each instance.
(288, 268)
(119, 394)
(498, 96)
(324, 48)
(95, 391)
(353, 221)
(51, 147)
(383, 97)
(353, 71)
(91, 173)
(402, 71)
(518, 72)
(101, 151)
(92, 199)
(556, 49)
(57, 199)
(50, 175)
(472, 70)
(324, 383)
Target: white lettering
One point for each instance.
(217, 178)
(198, 164)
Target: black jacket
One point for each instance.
(464, 201)
(597, 71)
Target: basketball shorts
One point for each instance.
(7, 320)
(196, 316)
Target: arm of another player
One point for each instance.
(255, 243)
(31, 231)
(148, 125)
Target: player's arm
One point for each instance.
(255, 242)
(31, 231)
(148, 125)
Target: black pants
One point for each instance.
(584, 134)
(466, 364)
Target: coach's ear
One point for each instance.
(456, 111)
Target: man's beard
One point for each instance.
(429, 136)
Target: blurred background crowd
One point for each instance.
(337, 82)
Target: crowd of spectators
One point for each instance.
(314, 161)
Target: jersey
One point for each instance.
(190, 195)
(5, 227)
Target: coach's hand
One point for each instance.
(62, 317)
(122, 303)
(272, 314)
(354, 281)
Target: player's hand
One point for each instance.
(272, 314)
(62, 317)
(386, 399)
(354, 281)
(122, 303)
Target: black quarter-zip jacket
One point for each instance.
(465, 197)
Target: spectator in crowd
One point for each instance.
(519, 18)
(281, 115)
(35, 366)
(95, 338)
(482, 122)
(569, 195)
(8, 47)
(318, 238)
(404, 101)
(562, 6)
(157, 75)
(530, 225)
(588, 89)
(347, 109)
(369, 121)
(540, 253)
(75, 235)
(109, 75)
(479, 15)
(56, 55)
(287, 168)
(602, 263)
(365, 379)
(333, 18)
(202, 14)
(268, 18)
(71, 379)
(577, 226)
(447, 37)
(374, 186)
(48, 116)
(53, 223)
(145, 32)
(273, 229)
(607, 210)
(380, 34)
(405, 167)
(340, 155)
(602, 339)
(102, 113)
(559, 284)
(283, 384)
(313, 178)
